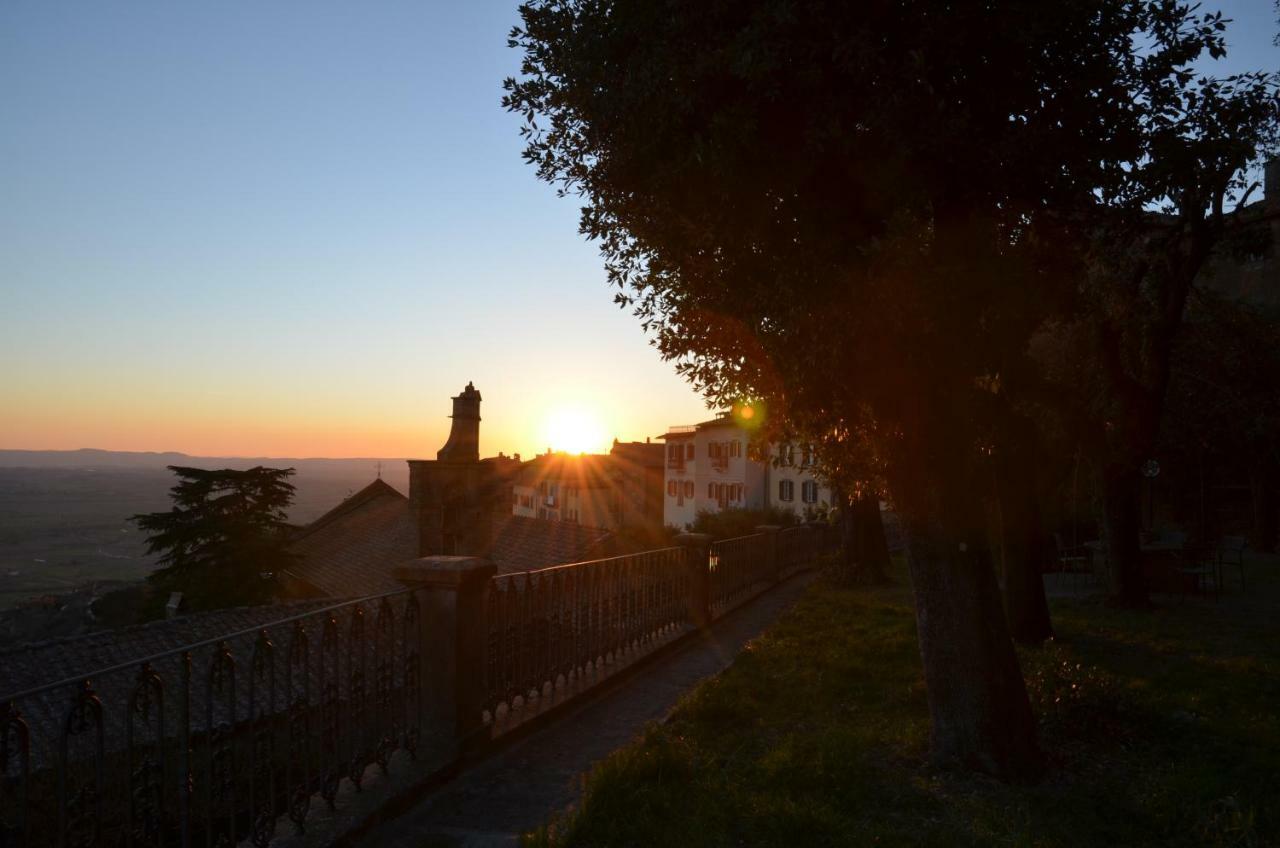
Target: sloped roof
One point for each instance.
(639, 454)
(350, 550)
(527, 544)
(40, 663)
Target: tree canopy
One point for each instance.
(862, 214)
(225, 534)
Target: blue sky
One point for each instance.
(296, 229)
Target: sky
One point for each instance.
(296, 229)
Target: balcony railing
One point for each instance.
(740, 569)
(247, 737)
(551, 632)
(219, 741)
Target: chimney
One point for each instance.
(464, 435)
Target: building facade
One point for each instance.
(614, 491)
(709, 468)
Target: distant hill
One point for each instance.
(394, 471)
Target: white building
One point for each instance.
(708, 469)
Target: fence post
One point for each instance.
(452, 592)
(773, 567)
(697, 550)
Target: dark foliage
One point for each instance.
(225, 536)
(862, 213)
(729, 523)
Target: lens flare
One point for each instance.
(574, 429)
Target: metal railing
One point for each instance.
(799, 545)
(247, 737)
(740, 569)
(551, 630)
(219, 741)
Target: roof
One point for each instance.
(527, 544)
(40, 663)
(642, 454)
(685, 431)
(586, 471)
(350, 550)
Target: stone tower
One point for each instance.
(456, 497)
(464, 435)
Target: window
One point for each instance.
(689, 450)
(688, 488)
(786, 490)
(786, 454)
(809, 491)
(671, 488)
(735, 448)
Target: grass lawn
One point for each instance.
(1161, 729)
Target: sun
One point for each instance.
(574, 429)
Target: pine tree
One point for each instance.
(225, 536)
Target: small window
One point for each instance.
(688, 488)
(671, 488)
(809, 491)
(786, 490)
(689, 450)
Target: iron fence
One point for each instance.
(549, 630)
(217, 742)
(739, 569)
(244, 736)
(798, 546)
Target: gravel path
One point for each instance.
(518, 788)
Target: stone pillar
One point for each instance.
(698, 560)
(770, 545)
(453, 636)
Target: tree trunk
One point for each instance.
(1263, 537)
(871, 549)
(1024, 550)
(1122, 509)
(981, 717)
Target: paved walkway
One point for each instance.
(515, 790)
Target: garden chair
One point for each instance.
(1073, 559)
(1201, 563)
(1231, 552)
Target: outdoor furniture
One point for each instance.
(1073, 559)
(1231, 552)
(1202, 564)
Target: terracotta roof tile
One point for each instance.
(350, 550)
(526, 544)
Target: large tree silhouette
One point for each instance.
(224, 536)
(861, 213)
